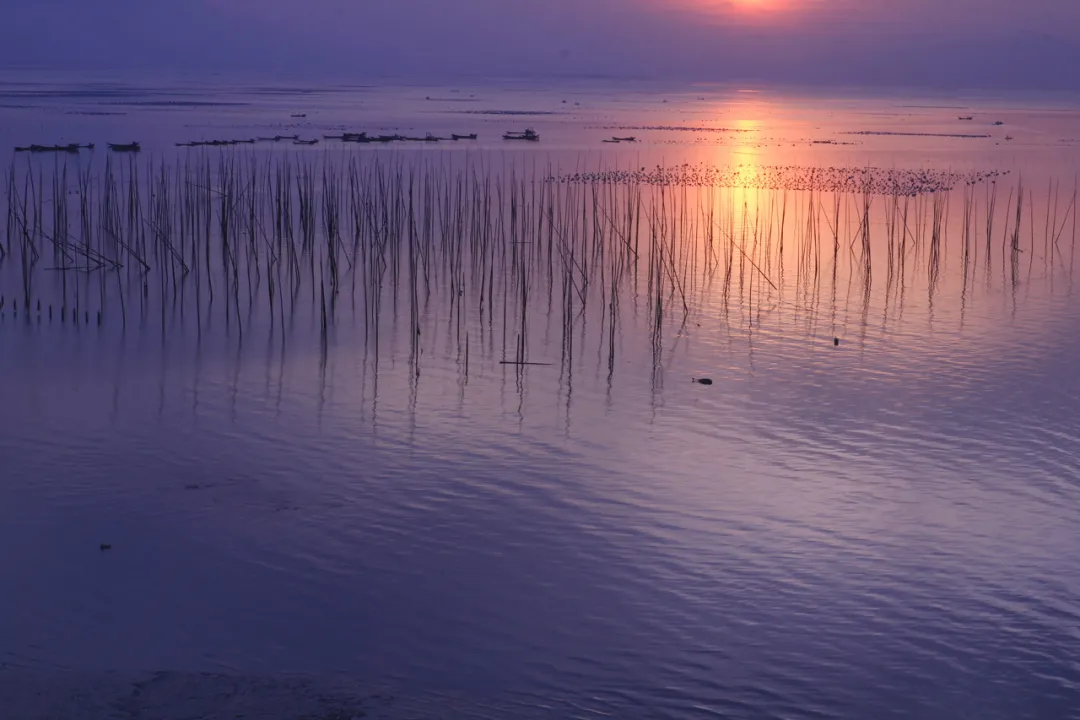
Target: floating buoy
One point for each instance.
(836, 342)
(703, 381)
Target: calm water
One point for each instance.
(883, 528)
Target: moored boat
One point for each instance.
(133, 147)
(529, 135)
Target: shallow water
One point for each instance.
(881, 528)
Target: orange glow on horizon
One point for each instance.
(743, 8)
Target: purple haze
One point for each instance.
(1006, 44)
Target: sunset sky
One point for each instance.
(979, 43)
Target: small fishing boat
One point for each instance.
(612, 140)
(999, 122)
(299, 115)
(305, 142)
(361, 137)
(463, 137)
(967, 117)
(529, 135)
(279, 138)
(625, 139)
(125, 147)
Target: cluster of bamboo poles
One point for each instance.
(489, 246)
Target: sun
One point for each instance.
(769, 12)
(741, 6)
(755, 5)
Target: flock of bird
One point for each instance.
(877, 181)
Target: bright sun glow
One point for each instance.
(756, 5)
(742, 7)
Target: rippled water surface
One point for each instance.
(452, 453)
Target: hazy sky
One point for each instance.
(979, 43)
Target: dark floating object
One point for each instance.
(999, 122)
(703, 381)
(625, 139)
(215, 143)
(529, 135)
(299, 115)
(967, 117)
(69, 148)
(305, 142)
(361, 137)
(129, 147)
(836, 342)
(471, 136)
(105, 546)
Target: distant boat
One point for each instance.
(127, 148)
(305, 142)
(967, 117)
(612, 140)
(999, 122)
(464, 137)
(529, 135)
(625, 139)
(299, 115)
